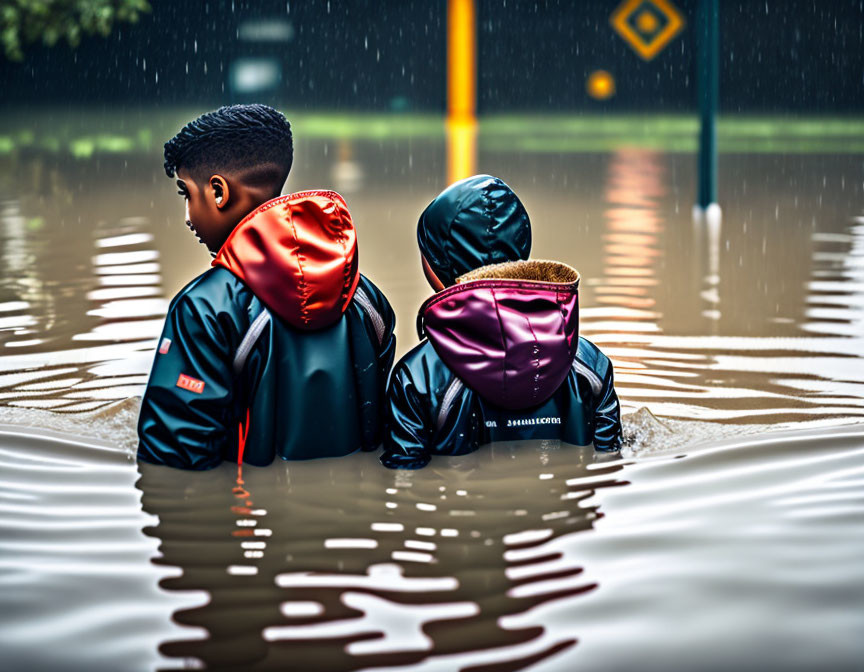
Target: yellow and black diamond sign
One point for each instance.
(647, 25)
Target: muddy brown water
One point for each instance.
(715, 542)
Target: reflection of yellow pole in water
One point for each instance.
(461, 89)
(461, 150)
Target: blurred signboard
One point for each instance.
(270, 30)
(647, 25)
(254, 75)
(260, 58)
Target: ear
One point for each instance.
(431, 277)
(221, 193)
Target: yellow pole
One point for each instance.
(461, 60)
(461, 89)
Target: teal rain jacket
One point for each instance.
(431, 411)
(282, 349)
(477, 378)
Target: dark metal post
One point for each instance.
(708, 72)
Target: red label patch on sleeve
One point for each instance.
(192, 384)
(165, 346)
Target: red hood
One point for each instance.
(298, 254)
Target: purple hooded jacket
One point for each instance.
(507, 330)
(503, 360)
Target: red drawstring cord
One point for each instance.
(242, 434)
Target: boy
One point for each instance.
(282, 348)
(503, 359)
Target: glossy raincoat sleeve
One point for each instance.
(607, 417)
(179, 424)
(406, 430)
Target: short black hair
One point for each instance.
(234, 137)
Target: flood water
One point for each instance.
(709, 544)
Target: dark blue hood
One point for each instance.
(474, 222)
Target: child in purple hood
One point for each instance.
(502, 359)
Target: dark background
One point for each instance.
(778, 56)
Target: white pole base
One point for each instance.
(712, 215)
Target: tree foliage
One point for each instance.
(23, 22)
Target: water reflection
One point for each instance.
(339, 564)
(461, 149)
(494, 561)
(631, 245)
(733, 324)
